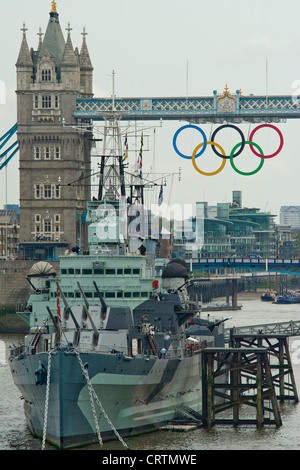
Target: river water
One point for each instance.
(15, 436)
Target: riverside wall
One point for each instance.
(14, 289)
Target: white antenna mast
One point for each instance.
(267, 81)
(187, 79)
(113, 90)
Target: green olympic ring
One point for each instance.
(250, 172)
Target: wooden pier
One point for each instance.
(232, 377)
(279, 359)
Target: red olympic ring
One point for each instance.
(280, 145)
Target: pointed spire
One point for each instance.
(40, 34)
(24, 58)
(54, 41)
(84, 59)
(69, 56)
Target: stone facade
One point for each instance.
(53, 153)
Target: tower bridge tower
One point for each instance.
(53, 152)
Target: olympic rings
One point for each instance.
(238, 130)
(192, 127)
(250, 172)
(214, 172)
(234, 152)
(280, 136)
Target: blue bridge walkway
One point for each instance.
(273, 265)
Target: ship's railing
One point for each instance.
(146, 353)
(135, 330)
(15, 351)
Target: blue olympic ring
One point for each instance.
(192, 127)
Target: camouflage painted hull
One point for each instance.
(138, 394)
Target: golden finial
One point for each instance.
(241, 93)
(226, 91)
(53, 7)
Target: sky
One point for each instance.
(170, 48)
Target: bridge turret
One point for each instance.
(52, 152)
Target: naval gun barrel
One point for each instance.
(211, 327)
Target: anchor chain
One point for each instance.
(93, 393)
(47, 401)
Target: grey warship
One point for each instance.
(112, 372)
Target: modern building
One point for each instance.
(54, 154)
(235, 231)
(290, 216)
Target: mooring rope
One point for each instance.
(47, 401)
(92, 394)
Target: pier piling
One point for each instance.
(232, 377)
(279, 358)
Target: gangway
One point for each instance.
(289, 328)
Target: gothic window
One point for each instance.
(47, 226)
(46, 101)
(37, 191)
(36, 101)
(37, 153)
(56, 101)
(47, 191)
(47, 153)
(57, 153)
(46, 75)
(57, 218)
(57, 191)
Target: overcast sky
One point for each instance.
(151, 46)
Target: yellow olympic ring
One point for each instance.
(203, 172)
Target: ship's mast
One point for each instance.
(111, 177)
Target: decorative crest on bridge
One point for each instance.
(226, 103)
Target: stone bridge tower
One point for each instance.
(53, 152)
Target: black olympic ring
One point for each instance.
(242, 143)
